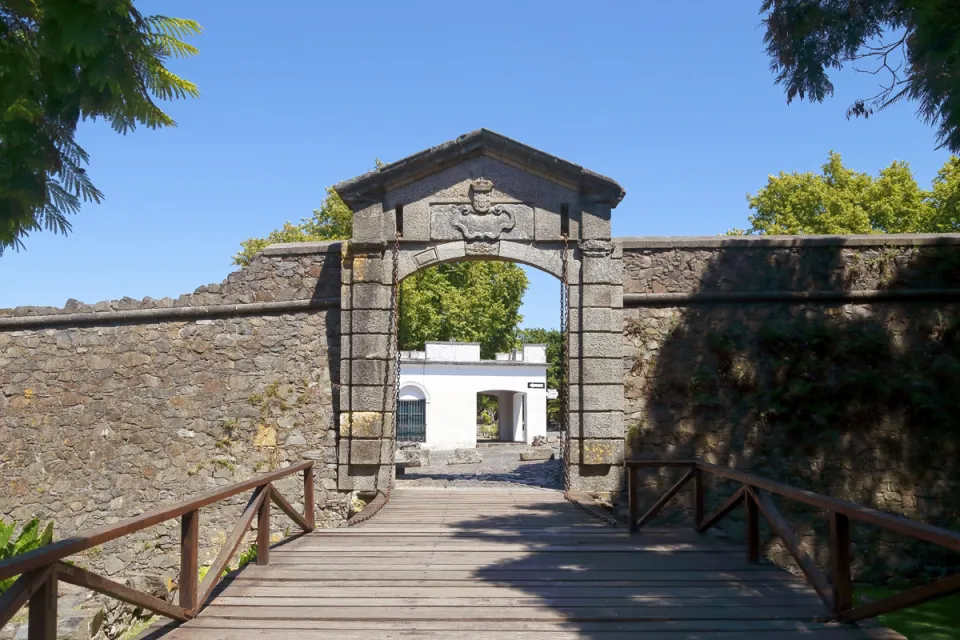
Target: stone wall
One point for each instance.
(111, 409)
(827, 363)
(831, 364)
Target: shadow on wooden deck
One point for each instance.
(507, 564)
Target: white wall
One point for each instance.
(453, 351)
(451, 390)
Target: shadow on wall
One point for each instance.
(855, 401)
(328, 286)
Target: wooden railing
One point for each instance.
(755, 493)
(41, 569)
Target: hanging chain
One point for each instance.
(396, 338)
(564, 358)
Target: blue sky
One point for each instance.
(676, 104)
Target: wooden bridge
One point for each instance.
(505, 563)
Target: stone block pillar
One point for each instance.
(596, 358)
(368, 370)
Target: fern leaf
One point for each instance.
(6, 530)
(47, 536)
(175, 27)
(173, 47)
(27, 537)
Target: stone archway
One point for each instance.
(481, 196)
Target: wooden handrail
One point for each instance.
(70, 546)
(40, 569)
(754, 493)
(884, 519)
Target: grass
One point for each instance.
(139, 628)
(935, 620)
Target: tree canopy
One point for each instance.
(841, 201)
(554, 341)
(332, 221)
(913, 47)
(465, 301)
(63, 61)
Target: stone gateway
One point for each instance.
(481, 196)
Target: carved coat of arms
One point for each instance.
(481, 219)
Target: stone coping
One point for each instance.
(185, 313)
(724, 242)
(695, 242)
(795, 297)
(302, 248)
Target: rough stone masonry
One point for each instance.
(828, 363)
(111, 409)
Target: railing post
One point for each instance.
(699, 492)
(633, 498)
(42, 616)
(753, 528)
(840, 561)
(309, 506)
(263, 528)
(189, 548)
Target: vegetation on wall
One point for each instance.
(830, 379)
(246, 556)
(856, 401)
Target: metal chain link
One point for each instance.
(396, 344)
(396, 332)
(564, 358)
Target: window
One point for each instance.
(411, 421)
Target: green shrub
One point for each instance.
(29, 539)
(246, 556)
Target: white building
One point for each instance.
(439, 388)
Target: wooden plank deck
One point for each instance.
(507, 564)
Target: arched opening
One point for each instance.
(483, 369)
(504, 415)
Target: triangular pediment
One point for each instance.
(371, 187)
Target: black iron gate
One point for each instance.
(412, 421)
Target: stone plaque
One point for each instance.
(481, 218)
(426, 257)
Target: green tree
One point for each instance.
(914, 46)
(944, 198)
(62, 61)
(554, 341)
(842, 201)
(466, 301)
(332, 221)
